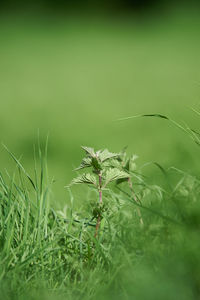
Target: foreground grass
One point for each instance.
(48, 254)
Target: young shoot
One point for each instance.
(105, 168)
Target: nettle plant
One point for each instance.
(106, 167)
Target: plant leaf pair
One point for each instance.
(114, 174)
(95, 159)
(84, 178)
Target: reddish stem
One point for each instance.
(100, 190)
(100, 202)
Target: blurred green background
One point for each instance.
(73, 75)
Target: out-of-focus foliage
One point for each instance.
(112, 6)
(73, 77)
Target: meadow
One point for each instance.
(72, 81)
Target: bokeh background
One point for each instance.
(71, 69)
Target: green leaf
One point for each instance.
(84, 178)
(146, 115)
(89, 151)
(130, 164)
(113, 163)
(86, 163)
(105, 154)
(96, 164)
(121, 180)
(114, 174)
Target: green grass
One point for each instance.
(48, 254)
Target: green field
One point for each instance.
(72, 80)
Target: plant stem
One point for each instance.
(100, 190)
(97, 225)
(136, 200)
(100, 202)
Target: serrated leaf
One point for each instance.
(113, 163)
(86, 163)
(105, 154)
(89, 151)
(84, 178)
(132, 164)
(95, 163)
(114, 174)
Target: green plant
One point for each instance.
(106, 168)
